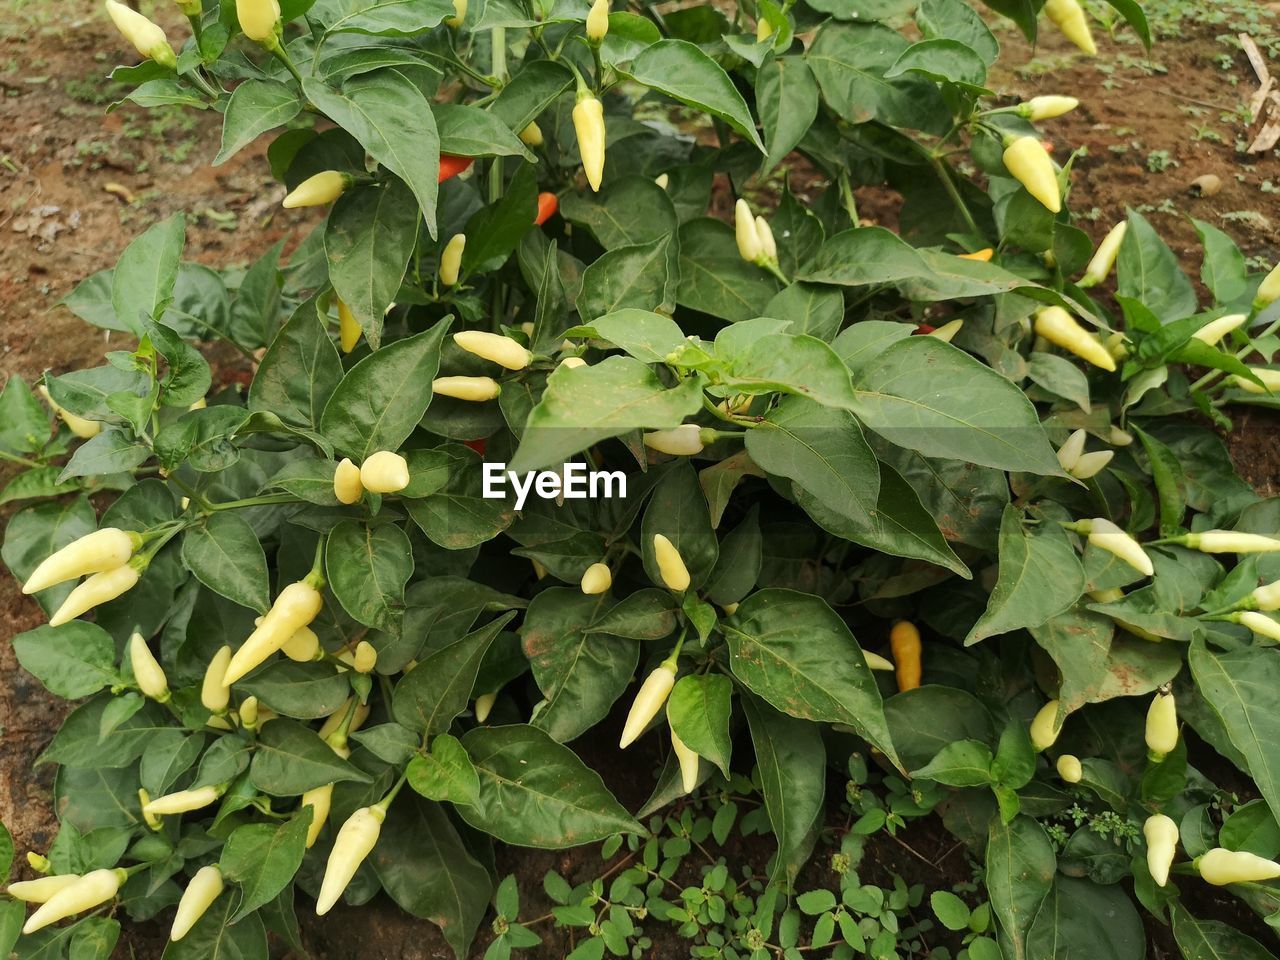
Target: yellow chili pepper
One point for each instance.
(1061, 329)
(451, 259)
(147, 38)
(384, 472)
(649, 700)
(346, 482)
(97, 552)
(682, 441)
(89, 891)
(355, 841)
(670, 564)
(258, 19)
(688, 761)
(204, 888)
(588, 123)
(147, 671)
(82, 428)
(97, 589)
(904, 641)
(298, 604)
(1162, 726)
(494, 347)
(466, 388)
(1045, 727)
(1104, 258)
(1030, 164)
(1161, 834)
(597, 579)
(1069, 17)
(318, 190)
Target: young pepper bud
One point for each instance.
(298, 604)
(348, 328)
(91, 890)
(1162, 726)
(384, 472)
(588, 124)
(42, 888)
(451, 259)
(82, 428)
(335, 720)
(1045, 727)
(147, 38)
(1105, 535)
(682, 441)
(476, 389)
(365, 657)
(346, 482)
(319, 190)
(204, 888)
(258, 19)
(484, 706)
(1221, 866)
(1091, 464)
(1030, 164)
(459, 14)
(597, 579)
(746, 232)
(214, 693)
(1229, 541)
(184, 801)
(649, 700)
(671, 566)
(874, 660)
(688, 760)
(303, 646)
(531, 135)
(764, 30)
(38, 862)
(1215, 330)
(1104, 258)
(249, 713)
(1161, 834)
(494, 347)
(904, 641)
(97, 552)
(147, 671)
(1069, 768)
(1047, 107)
(598, 21)
(98, 589)
(319, 800)
(1061, 329)
(355, 841)
(947, 332)
(1069, 17)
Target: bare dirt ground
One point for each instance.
(77, 183)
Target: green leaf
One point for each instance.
(682, 71)
(850, 62)
(215, 937)
(698, 711)
(298, 372)
(584, 405)
(714, 278)
(290, 760)
(91, 301)
(647, 336)
(383, 397)
(225, 555)
(1148, 271)
(530, 92)
(202, 438)
(459, 516)
(1040, 577)
(949, 909)
(639, 275)
(111, 451)
(306, 691)
(961, 763)
(368, 567)
(74, 660)
(255, 107)
(6, 851)
(1094, 920)
(944, 61)
(145, 273)
(263, 857)
(37, 531)
(446, 773)
(629, 211)
(787, 101)
(794, 651)
(368, 239)
(383, 18)
(1060, 376)
(1223, 270)
(495, 230)
(536, 793)
(1213, 940)
(925, 720)
(394, 123)
(82, 740)
(956, 20)
(1020, 873)
(24, 422)
(13, 913)
(434, 692)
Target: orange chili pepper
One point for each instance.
(982, 255)
(451, 166)
(547, 206)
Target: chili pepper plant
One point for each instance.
(540, 449)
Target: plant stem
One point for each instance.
(14, 458)
(944, 174)
(498, 40)
(265, 500)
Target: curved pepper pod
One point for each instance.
(459, 14)
(1161, 834)
(475, 389)
(1030, 164)
(904, 641)
(682, 441)
(384, 472)
(346, 482)
(1105, 535)
(258, 19)
(297, 605)
(1221, 866)
(147, 671)
(99, 588)
(597, 579)
(82, 428)
(146, 37)
(451, 259)
(214, 694)
(1215, 330)
(204, 888)
(671, 566)
(450, 165)
(649, 700)
(1044, 726)
(97, 552)
(348, 328)
(319, 800)
(1162, 726)
(1069, 17)
(688, 763)
(317, 191)
(355, 841)
(40, 889)
(334, 720)
(1104, 258)
(1061, 329)
(91, 890)
(503, 351)
(768, 246)
(1069, 768)
(588, 124)
(183, 801)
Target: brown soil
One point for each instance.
(62, 159)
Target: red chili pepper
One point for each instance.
(476, 445)
(547, 206)
(451, 166)
(923, 329)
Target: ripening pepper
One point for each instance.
(355, 841)
(97, 552)
(1047, 107)
(384, 472)
(451, 259)
(548, 204)
(450, 165)
(768, 247)
(1104, 258)
(671, 566)
(459, 14)
(82, 428)
(466, 388)
(150, 819)
(531, 135)
(588, 124)
(318, 799)
(147, 671)
(1105, 535)
(1162, 726)
(597, 579)
(1215, 330)
(303, 646)
(146, 37)
(1061, 329)
(947, 332)
(688, 761)
(91, 890)
(42, 888)
(1069, 768)
(1269, 290)
(297, 605)
(97, 589)
(494, 347)
(598, 21)
(318, 190)
(904, 641)
(1161, 834)
(484, 706)
(682, 441)
(1071, 449)
(258, 19)
(1069, 17)
(1270, 381)
(365, 657)
(1229, 541)
(1260, 624)
(184, 801)
(1030, 164)
(649, 700)
(1221, 866)
(1091, 464)
(348, 328)
(214, 693)
(346, 482)
(747, 233)
(204, 888)
(1265, 597)
(38, 862)
(1045, 727)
